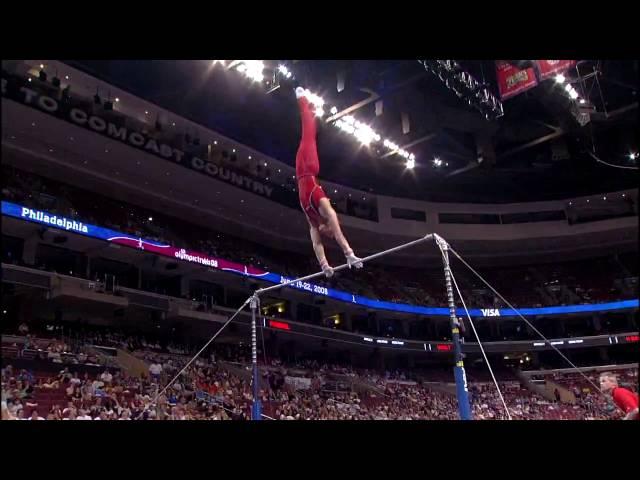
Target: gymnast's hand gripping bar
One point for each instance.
(429, 236)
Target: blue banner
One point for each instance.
(75, 226)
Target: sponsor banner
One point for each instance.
(512, 80)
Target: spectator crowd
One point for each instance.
(217, 386)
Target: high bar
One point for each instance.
(428, 236)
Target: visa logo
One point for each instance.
(490, 312)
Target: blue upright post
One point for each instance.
(256, 409)
(461, 378)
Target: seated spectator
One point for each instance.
(71, 415)
(69, 408)
(82, 415)
(49, 384)
(70, 390)
(155, 369)
(103, 415)
(6, 413)
(13, 406)
(106, 377)
(35, 416)
(25, 376)
(55, 413)
(97, 384)
(75, 380)
(65, 375)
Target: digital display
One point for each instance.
(442, 347)
(279, 325)
(306, 286)
(632, 338)
(113, 236)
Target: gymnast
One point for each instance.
(315, 204)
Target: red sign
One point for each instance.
(632, 338)
(512, 80)
(549, 68)
(279, 325)
(444, 347)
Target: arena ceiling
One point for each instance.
(538, 150)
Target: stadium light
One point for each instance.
(253, 69)
(560, 78)
(284, 71)
(411, 164)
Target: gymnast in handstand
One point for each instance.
(315, 204)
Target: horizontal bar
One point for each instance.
(429, 236)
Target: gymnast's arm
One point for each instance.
(318, 248)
